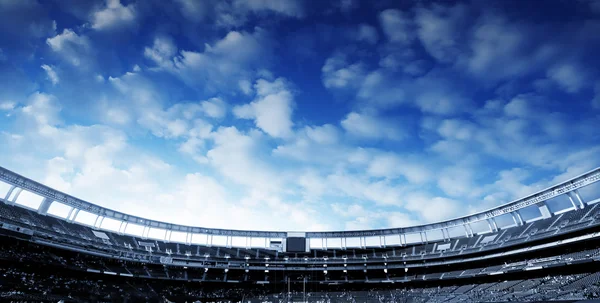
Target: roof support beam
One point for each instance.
(10, 191)
(544, 210)
(16, 197)
(44, 206)
(576, 200)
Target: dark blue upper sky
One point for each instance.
(290, 114)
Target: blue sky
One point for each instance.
(299, 115)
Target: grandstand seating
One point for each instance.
(484, 267)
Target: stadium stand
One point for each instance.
(46, 258)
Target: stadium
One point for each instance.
(554, 256)
(286, 151)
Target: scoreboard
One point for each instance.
(296, 243)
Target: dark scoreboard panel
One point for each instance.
(295, 244)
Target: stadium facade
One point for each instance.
(498, 254)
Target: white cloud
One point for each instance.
(113, 16)
(314, 144)
(380, 90)
(162, 51)
(439, 30)
(500, 50)
(43, 109)
(7, 105)
(214, 108)
(361, 218)
(221, 65)
(457, 129)
(393, 166)
(433, 209)
(371, 127)
(193, 10)
(396, 25)
(52, 75)
(338, 74)
(519, 107)
(271, 110)
(291, 8)
(367, 34)
(568, 76)
(70, 46)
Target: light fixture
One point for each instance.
(385, 270)
(205, 269)
(226, 269)
(345, 271)
(325, 271)
(266, 270)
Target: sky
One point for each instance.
(299, 115)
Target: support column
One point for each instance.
(514, 217)
(519, 217)
(583, 204)
(572, 200)
(404, 236)
(14, 199)
(544, 210)
(44, 206)
(466, 231)
(576, 200)
(400, 238)
(10, 191)
(120, 227)
(74, 215)
(100, 224)
(494, 224)
(490, 225)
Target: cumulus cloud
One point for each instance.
(52, 75)
(433, 209)
(314, 144)
(367, 34)
(393, 166)
(370, 127)
(568, 76)
(7, 105)
(440, 28)
(113, 16)
(291, 8)
(272, 109)
(397, 26)
(338, 74)
(72, 47)
(221, 65)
